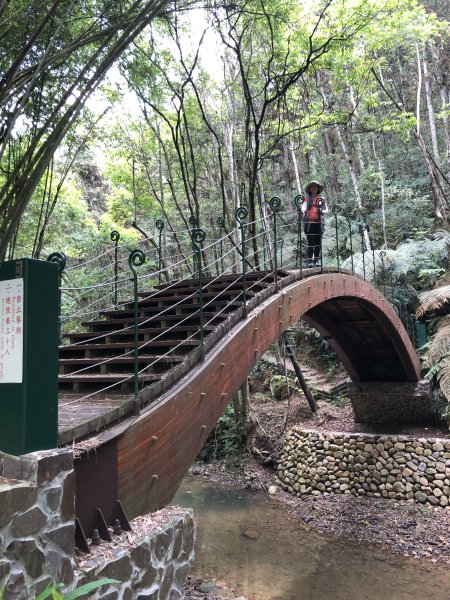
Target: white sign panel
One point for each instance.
(11, 331)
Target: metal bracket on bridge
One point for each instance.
(119, 523)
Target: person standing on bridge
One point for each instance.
(313, 208)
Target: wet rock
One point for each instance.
(251, 534)
(209, 587)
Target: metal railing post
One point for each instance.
(382, 255)
(281, 243)
(320, 203)
(351, 242)
(275, 204)
(194, 224)
(115, 237)
(60, 259)
(373, 257)
(336, 210)
(264, 241)
(198, 237)
(221, 223)
(136, 259)
(362, 228)
(159, 226)
(241, 215)
(298, 202)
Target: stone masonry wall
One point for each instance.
(155, 568)
(390, 401)
(37, 538)
(37, 521)
(397, 467)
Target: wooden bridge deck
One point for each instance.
(79, 418)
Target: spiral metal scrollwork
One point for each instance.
(159, 225)
(336, 209)
(220, 221)
(275, 204)
(59, 258)
(241, 214)
(298, 200)
(115, 236)
(136, 259)
(198, 237)
(362, 227)
(382, 253)
(193, 221)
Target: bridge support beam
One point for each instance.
(390, 401)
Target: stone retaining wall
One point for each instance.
(397, 467)
(37, 538)
(390, 401)
(37, 521)
(154, 569)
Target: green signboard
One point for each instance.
(29, 314)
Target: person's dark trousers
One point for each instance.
(313, 234)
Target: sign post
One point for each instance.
(29, 313)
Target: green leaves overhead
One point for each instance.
(52, 57)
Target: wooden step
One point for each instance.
(187, 293)
(103, 366)
(100, 350)
(123, 382)
(149, 309)
(108, 345)
(182, 331)
(262, 276)
(115, 325)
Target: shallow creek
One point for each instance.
(252, 544)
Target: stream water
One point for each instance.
(251, 543)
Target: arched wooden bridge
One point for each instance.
(142, 460)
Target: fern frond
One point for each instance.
(443, 378)
(433, 371)
(442, 234)
(432, 301)
(440, 345)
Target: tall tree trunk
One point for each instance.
(296, 172)
(439, 199)
(287, 176)
(331, 155)
(419, 88)
(430, 108)
(354, 178)
(359, 149)
(445, 97)
(379, 158)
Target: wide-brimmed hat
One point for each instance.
(319, 185)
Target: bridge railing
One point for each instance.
(276, 241)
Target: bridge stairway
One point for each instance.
(101, 358)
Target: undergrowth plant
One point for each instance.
(224, 440)
(52, 590)
(312, 349)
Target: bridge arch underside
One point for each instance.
(364, 338)
(154, 451)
